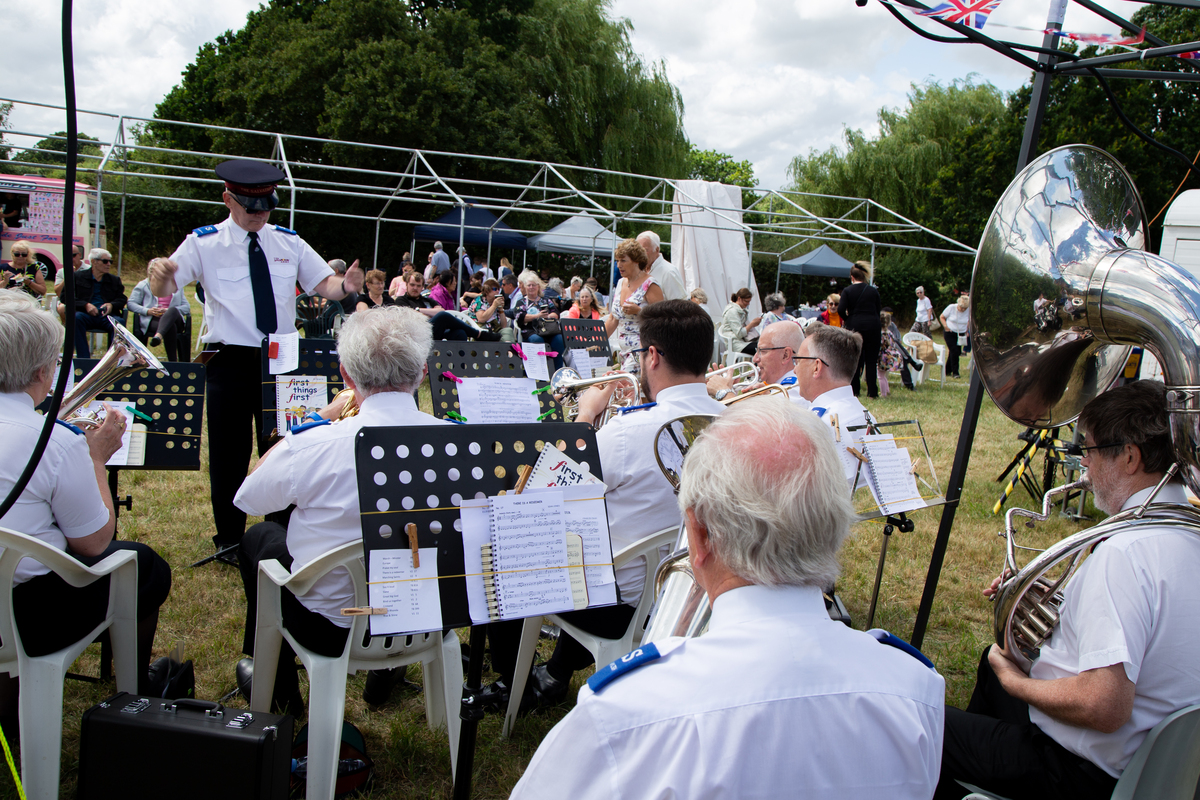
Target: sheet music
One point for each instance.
(476, 532)
(581, 362)
(894, 486)
(504, 401)
(527, 537)
(121, 457)
(584, 513)
(556, 469)
(536, 367)
(411, 596)
(288, 358)
(296, 395)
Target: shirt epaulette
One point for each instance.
(788, 381)
(205, 231)
(626, 663)
(883, 637)
(309, 425)
(642, 407)
(70, 427)
(282, 229)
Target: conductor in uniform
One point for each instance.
(776, 699)
(249, 271)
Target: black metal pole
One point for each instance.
(470, 713)
(966, 435)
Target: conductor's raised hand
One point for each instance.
(161, 273)
(354, 278)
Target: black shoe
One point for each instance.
(289, 702)
(382, 682)
(918, 366)
(244, 674)
(547, 689)
(155, 340)
(487, 336)
(230, 555)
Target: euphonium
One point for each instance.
(1071, 226)
(567, 384)
(125, 356)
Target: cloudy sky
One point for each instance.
(763, 80)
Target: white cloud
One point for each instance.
(763, 80)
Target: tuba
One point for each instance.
(125, 356)
(1071, 226)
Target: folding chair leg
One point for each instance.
(451, 698)
(525, 654)
(326, 708)
(267, 642)
(41, 728)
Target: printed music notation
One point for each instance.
(889, 474)
(409, 594)
(503, 401)
(527, 540)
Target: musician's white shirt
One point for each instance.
(840, 406)
(640, 500)
(315, 470)
(776, 700)
(221, 262)
(1133, 602)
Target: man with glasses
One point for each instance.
(76, 265)
(1124, 655)
(676, 339)
(825, 363)
(99, 294)
(249, 270)
(23, 271)
(778, 343)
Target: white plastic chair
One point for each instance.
(1166, 765)
(909, 340)
(42, 677)
(605, 651)
(731, 355)
(439, 655)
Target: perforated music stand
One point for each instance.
(479, 360)
(585, 334)
(392, 464)
(318, 357)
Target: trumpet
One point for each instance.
(770, 388)
(567, 384)
(126, 356)
(742, 373)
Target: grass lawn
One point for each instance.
(171, 512)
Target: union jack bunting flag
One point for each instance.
(967, 12)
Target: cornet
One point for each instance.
(566, 384)
(742, 373)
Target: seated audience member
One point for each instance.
(374, 296)
(488, 311)
(776, 347)
(1124, 655)
(76, 265)
(775, 700)
(99, 294)
(383, 353)
(24, 270)
(446, 326)
(534, 310)
(506, 268)
(736, 323)
(574, 287)
(774, 310)
(825, 363)
(349, 303)
(829, 314)
(698, 296)
(443, 291)
(510, 287)
(555, 290)
(159, 320)
(67, 504)
(601, 298)
(475, 290)
(585, 305)
(677, 337)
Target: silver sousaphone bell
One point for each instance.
(125, 356)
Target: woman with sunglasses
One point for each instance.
(24, 270)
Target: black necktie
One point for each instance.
(260, 284)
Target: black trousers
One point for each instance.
(263, 542)
(51, 613)
(168, 326)
(504, 639)
(868, 359)
(952, 352)
(234, 397)
(994, 746)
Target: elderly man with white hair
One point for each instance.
(382, 352)
(664, 274)
(99, 294)
(776, 699)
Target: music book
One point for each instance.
(555, 468)
(888, 470)
(540, 552)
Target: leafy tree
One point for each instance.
(710, 165)
(52, 151)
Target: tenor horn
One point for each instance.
(124, 356)
(567, 384)
(1071, 225)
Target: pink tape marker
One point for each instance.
(452, 377)
(551, 353)
(517, 348)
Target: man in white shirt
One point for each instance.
(825, 364)
(665, 275)
(382, 353)
(1125, 654)
(776, 699)
(249, 270)
(676, 339)
(780, 341)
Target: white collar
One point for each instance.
(751, 603)
(1171, 493)
(680, 391)
(11, 402)
(386, 402)
(833, 396)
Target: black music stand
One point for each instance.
(478, 360)
(585, 334)
(487, 459)
(318, 357)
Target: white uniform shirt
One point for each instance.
(221, 261)
(924, 310)
(668, 279)
(315, 470)
(640, 500)
(1133, 602)
(776, 700)
(793, 392)
(62, 500)
(841, 405)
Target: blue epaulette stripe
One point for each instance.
(282, 229)
(883, 637)
(205, 231)
(307, 425)
(70, 427)
(626, 663)
(637, 408)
